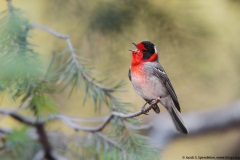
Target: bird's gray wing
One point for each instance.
(160, 73)
(129, 74)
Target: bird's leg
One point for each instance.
(154, 105)
(158, 99)
(150, 103)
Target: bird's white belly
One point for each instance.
(149, 87)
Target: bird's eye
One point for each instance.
(144, 50)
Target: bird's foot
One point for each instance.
(151, 102)
(154, 105)
(143, 109)
(155, 101)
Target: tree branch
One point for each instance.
(49, 30)
(48, 152)
(70, 121)
(43, 139)
(42, 135)
(18, 117)
(132, 115)
(163, 131)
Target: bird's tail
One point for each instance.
(178, 122)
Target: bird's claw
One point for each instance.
(151, 103)
(144, 112)
(156, 100)
(143, 109)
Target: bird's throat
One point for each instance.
(137, 60)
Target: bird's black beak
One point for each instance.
(135, 46)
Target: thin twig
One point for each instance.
(132, 115)
(74, 119)
(49, 30)
(76, 126)
(22, 106)
(18, 117)
(99, 128)
(70, 122)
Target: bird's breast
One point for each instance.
(147, 86)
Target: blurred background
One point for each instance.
(198, 44)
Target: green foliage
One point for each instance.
(107, 150)
(18, 142)
(42, 105)
(137, 146)
(18, 61)
(17, 58)
(140, 147)
(69, 72)
(108, 146)
(16, 139)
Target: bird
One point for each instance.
(151, 82)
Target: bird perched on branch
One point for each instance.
(151, 82)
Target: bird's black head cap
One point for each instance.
(150, 49)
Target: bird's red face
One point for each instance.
(145, 52)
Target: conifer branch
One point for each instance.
(18, 117)
(72, 53)
(48, 151)
(43, 139)
(70, 122)
(48, 30)
(112, 143)
(135, 114)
